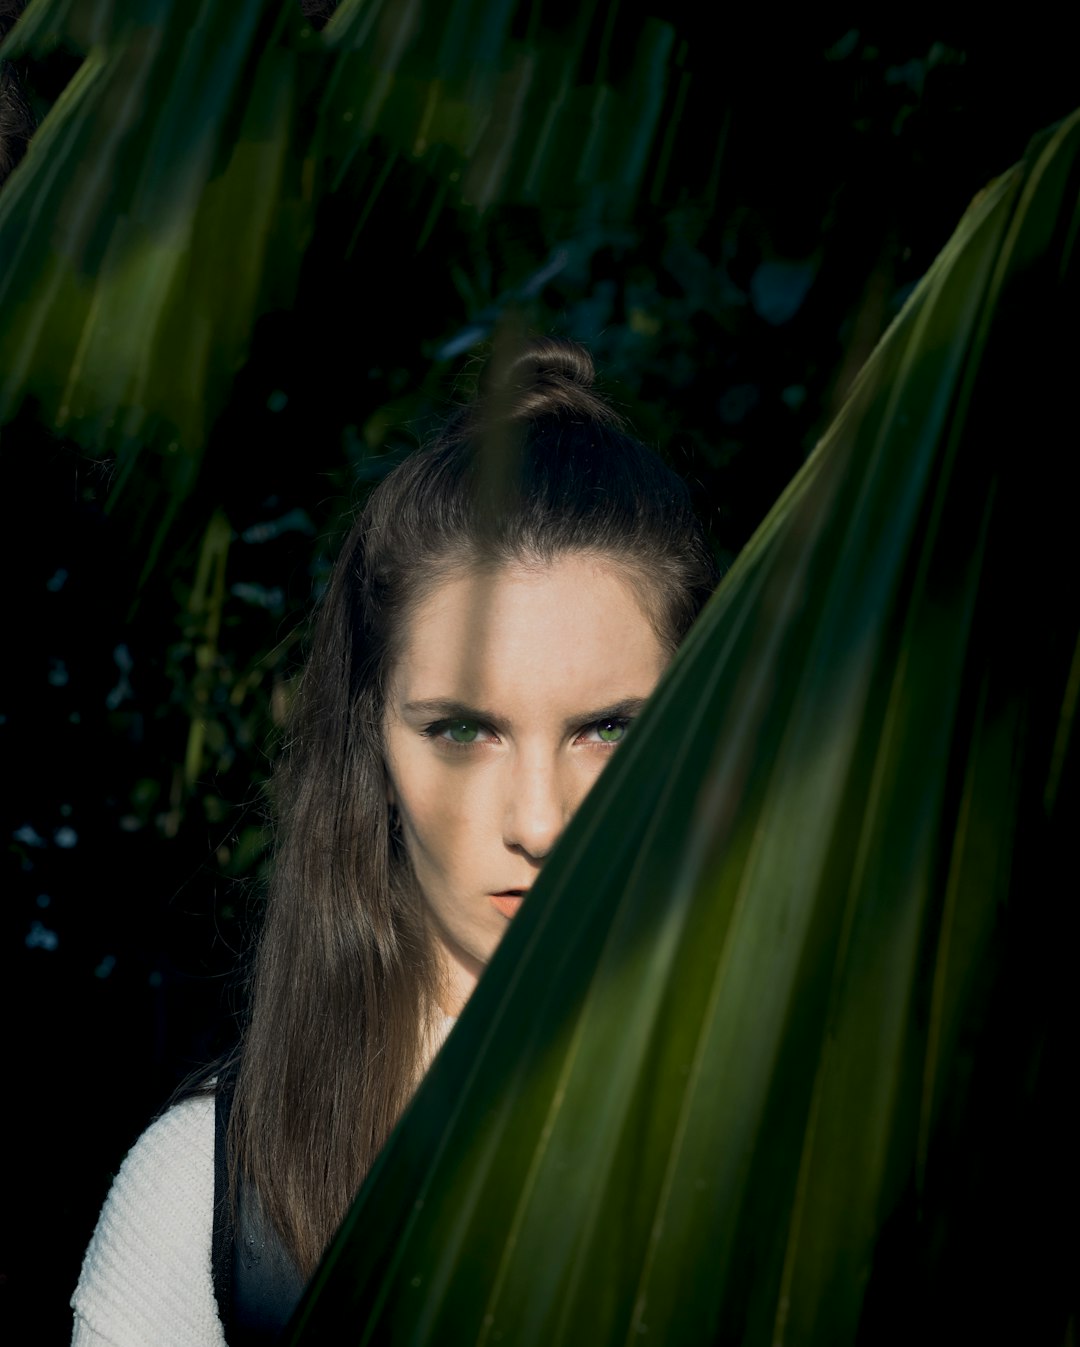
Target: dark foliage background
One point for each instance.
(728, 317)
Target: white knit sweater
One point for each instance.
(147, 1278)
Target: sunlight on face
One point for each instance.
(512, 690)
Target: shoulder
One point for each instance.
(147, 1273)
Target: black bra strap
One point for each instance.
(222, 1245)
(256, 1283)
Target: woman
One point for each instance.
(504, 605)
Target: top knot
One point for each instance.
(550, 377)
(550, 359)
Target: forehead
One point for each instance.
(573, 630)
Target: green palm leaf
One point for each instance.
(787, 996)
(167, 199)
(140, 234)
(498, 110)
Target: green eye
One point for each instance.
(462, 731)
(611, 731)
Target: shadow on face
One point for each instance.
(513, 687)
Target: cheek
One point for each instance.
(442, 818)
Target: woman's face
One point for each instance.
(512, 691)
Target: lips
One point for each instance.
(509, 902)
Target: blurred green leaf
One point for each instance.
(169, 196)
(150, 221)
(499, 109)
(773, 1054)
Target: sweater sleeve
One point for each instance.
(146, 1279)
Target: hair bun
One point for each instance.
(551, 377)
(551, 360)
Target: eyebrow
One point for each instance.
(442, 708)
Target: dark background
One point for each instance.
(727, 317)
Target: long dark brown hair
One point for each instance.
(344, 979)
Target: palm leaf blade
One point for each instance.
(118, 322)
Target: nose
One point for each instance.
(536, 807)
